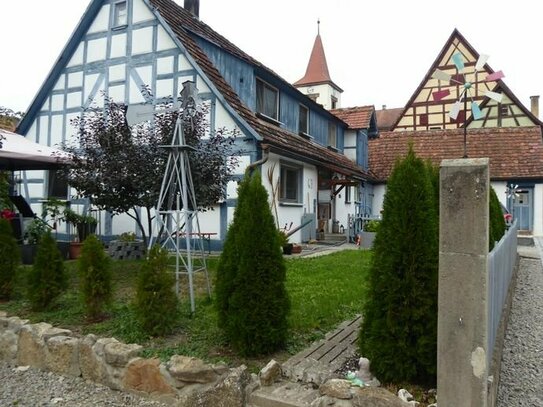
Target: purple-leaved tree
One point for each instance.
(120, 168)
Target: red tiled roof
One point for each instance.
(182, 23)
(317, 68)
(515, 152)
(357, 117)
(386, 118)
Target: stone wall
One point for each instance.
(183, 380)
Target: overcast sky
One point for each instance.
(378, 51)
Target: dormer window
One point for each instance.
(267, 100)
(303, 120)
(120, 14)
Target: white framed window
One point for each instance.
(267, 100)
(120, 14)
(348, 194)
(332, 134)
(303, 120)
(56, 187)
(290, 182)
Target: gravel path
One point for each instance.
(521, 381)
(34, 388)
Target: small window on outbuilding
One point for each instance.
(290, 182)
(120, 14)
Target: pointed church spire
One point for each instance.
(317, 68)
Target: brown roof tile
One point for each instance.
(386, 118)
(357, 117)
(182, 23)
(513, 152)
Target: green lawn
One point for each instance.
(324, 291)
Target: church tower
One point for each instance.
(316, 82)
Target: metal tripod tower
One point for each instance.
(176, 222)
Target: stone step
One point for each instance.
(284, 394)
(334, 237)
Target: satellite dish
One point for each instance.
(139, 113)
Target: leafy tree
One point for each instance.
(94, 277)
(496, 226)
(9, 119)
(9, 259)
(156, 303)
(252, 299)
(47, 279)
(120, 168)
(399, 331)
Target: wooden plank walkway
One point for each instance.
(332, 351)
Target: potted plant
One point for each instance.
(367, 235)
(34, 231)
(84, 225)
(283, 240)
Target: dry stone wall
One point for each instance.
(182, 381)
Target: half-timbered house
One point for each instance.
(121, 46)
(502, 129)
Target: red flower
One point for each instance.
(7, 214)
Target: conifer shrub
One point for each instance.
(95, 277)
(156, 304)
(252, 299)
(399, 331)
(47, 278)
(10, 258)
(496, 221)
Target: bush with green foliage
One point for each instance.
(94, 277)
(252, 300)
(496, 221)
(399, 331)
(9, 259)
(371, 226)
(156, 304)
(47, 278)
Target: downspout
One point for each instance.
(265, 155)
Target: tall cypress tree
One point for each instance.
(10, 258)
(496, 221)
(47, 279)
(95, 277)
(252, 299)
(399, 331)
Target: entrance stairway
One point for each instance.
(332, 238)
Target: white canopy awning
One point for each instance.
(19, 153)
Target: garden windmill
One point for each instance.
(465, 88)
(176, 221)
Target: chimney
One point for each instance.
(193, 6)
(535, 105)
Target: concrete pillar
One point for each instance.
(462, 305)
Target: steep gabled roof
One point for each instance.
(514, 153)
(358, 117)
(183, 24)
(457, 43)
(317, 68)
